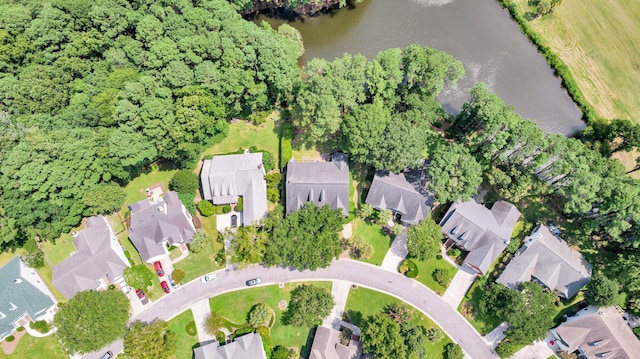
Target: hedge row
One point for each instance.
(560, 68)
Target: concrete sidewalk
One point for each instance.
(496, 335)
(340, 292)
(201, 311)
(397, 253)
(459, 286)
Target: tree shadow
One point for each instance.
(306, 348)
(355, 316)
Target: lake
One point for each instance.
(477, 32)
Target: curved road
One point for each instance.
(359, 273)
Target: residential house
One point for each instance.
(550, 261)
(322, 183)
(248, 346)
(24, 297)
(156, 223)
(229, 177)
(598, 333)
(98, 261)
(327, 345)
(405, 194)
(483, 232)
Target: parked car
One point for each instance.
(143, 298)
(173, 282)
(165, 286)
(159, 269)
(126, 289)
(107, 355)
(207, 277)
(253, 281)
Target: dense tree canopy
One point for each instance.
(424, 239)
(91, 320)
(150, 340)
(138, 276)
(601, 291)
(308, 306)
(454, 173)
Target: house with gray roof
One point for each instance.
(248, 346)
(405, 194)
(156, 223)
(327, 345)
(598, 333)
(24, 297)
(550, 261)
(322, 183)
(228, 177)
(483, 232)
(98, 261)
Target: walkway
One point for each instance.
(496, 335)
(184, 252)
(361, 274)
(537, 350)
(459, 286)
(396, 253)
(201, 311)
(340, 293)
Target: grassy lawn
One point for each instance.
(156, 291)
(235, 306)
(135, 188)
(244, 134)
(363, 302)
(483, 323)
(375, 237)
(47, 275)
(61, 250)
(596, 40)
(31, 347)
(185, 341)
(426, 269)
(197, 264)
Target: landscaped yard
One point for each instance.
(426, 269)
(31, 347)
(483, 323)
(136, 188)
(363, 302)
(197, 264)
(375, 236)
(58, 252)
(186, 342)
(235, 306)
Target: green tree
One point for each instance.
(384, 216)
(280, 352)
(308, 305)
(258, 315)
(206, 208)
(381, 336)
(178, 275)
(453, 351)
(455, 174)
(150, 340)
(138, 276)
(365, 211)
(199, 242)
(424, 239)
(415, 339)
(247, 245)
(601, 291)
(214, 322)
(90, 320)
(184, 181)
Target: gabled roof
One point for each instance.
(318, 182)
(225, 178)
(22, 291)
(599, 333)
(326, 345)
(248, 346)
(548, 259)
(154, 223)
(484, 233)
(98, 255)
(404, 193)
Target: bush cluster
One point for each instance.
(409, 268)
(206, 208)
(286, 147)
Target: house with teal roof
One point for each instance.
(24, 297)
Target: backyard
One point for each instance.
(375, 236)
(186, 334)
(363, 302)
(235, 306)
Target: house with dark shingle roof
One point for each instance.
(327, 345)
(598, 333)
(158, 222)
(228, 177)
(549, 261)
(24, 297)
(98, 261)
(248, 346)
(483, 232)
(405, 194)
(322, 183)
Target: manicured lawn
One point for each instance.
(7, 256)
(244, 134)
(185, 341)
(126, 242)
(483, 323)
(156, 291)
(61, 250)
(47, 274)
(426, 269)
(375, 237)
(197, 264)
(136, 188)
(31, 347)
(235, 306)
(363, 302)
(597, 40)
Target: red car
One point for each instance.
(140, 293)
(159, 269)
(165, 287)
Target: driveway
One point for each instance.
(397, 253)
(459, 286)
(340, 292)
(201, 311)
(361, 274)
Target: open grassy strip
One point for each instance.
(235, 306)
(62, 248)
(244, 134)
(185, 341)
(47, 275)
(363, 302)
(375, 236)
(426, 277)
(197, 264)
(32, 347)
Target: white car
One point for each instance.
(207, 277)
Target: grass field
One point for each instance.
(197, 264)
(31, 347)
(598, 40)
(374, 235)
(185, 341)
(235, 306)
(363, 302)
(426, 269)
(244, 134)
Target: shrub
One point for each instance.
(40, 326)
(273, 195)
(636, 331)
(188, 199)
(206, 208)
(214, 322)
(19, 329)
(242, 331)
(184, 181)
(410, 268)
(190, 328)
(34, 259)
(266, 338)
(435, 335)
(455, 252)
(440, 276)
(365, 211)
(273, 182)
(220, 337)
(506, 349)
(345, 336)
(226, 208)
(198, 242)
(10, 338)
(286, 148)
(268, 160)
(258, 315)
(239, 205)
(178, 275)
(280, 352)
(453, 351)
